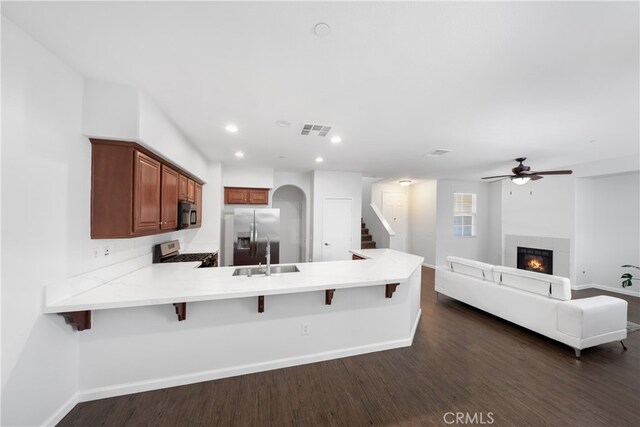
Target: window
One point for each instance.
(464, 209)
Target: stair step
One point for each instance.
(365, 231)
(366, 238)
(368, 245)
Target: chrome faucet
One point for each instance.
(268, 271)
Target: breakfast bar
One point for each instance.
(185, 324)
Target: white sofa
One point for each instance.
(536, 301)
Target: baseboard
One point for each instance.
(62, 411)
(424, 264)
(633, 293)
(174, 381)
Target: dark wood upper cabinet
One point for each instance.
(169, 200)
(246, 196)
(146, 193)
(134, 192)
(235, 196)
(183, 187)
(191, 191)
(198, 190)
(259, 196)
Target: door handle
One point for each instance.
(326, 244)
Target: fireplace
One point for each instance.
(533, 259)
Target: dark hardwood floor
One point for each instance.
(462, 360)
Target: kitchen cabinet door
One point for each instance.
(199, 204)
(191, 191)
(183, 187)
(259, 196)
(146, 194)
(235, 196)
(169, 199)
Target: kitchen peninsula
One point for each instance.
(236, 324)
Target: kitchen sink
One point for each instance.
(255, 271)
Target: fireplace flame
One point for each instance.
(535, 264)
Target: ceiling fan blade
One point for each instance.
(535, 177)
(497, 176)
(564, 172)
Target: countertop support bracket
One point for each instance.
(261, 304)
(390, 289)
(181, 310)
(328, 296)
(80, 320)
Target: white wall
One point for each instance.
(241, 176)
(467, 247)
(495, 252)
(543, 208)
(338, 185)
(608, 229)
(48, 162)
(45, 166)
(422, 220)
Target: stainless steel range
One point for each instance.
(169, 252)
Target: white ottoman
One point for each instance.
(594, 321)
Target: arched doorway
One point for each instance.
(291, 201)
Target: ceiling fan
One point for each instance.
(522, 174)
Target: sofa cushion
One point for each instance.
(589, 317)
(470, 267)
(538, 283)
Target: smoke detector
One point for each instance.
(322, 130)
(322, 29)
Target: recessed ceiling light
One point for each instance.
(336, 139)
(319, 160)
(239, 154)
(405, 182)
(231, 128)
(322, 29)
(283, 123)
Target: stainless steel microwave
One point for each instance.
(187, 215)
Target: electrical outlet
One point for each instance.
(108, 251)
(95, 252)
(306, 328)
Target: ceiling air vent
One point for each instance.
(437, 153)
(321, 129)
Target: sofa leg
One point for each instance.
(624, 347)
(437, 295)
(577, 350)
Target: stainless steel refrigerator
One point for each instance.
(250, 230)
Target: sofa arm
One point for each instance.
(589, 317)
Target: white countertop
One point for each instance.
(184, 282)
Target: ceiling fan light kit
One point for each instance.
(522, 174)
(521, 180)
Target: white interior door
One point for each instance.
(395, 210)
(290, 239)
(336, 229)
